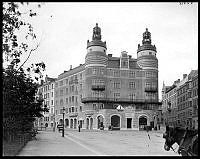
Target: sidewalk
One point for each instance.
(49, 143)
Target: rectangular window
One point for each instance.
(81, 87)
(94, 106)
(60, 83)
(116, 95)
(117, 85)
(80, 108)
(148, 84)
(66, 100)
(72, 109)
(116, 73)
(51, 102)
(61, 92)
(51, 94)
(66, 110)
(132, 74)
(69, 110)
(94, 71)
(52, 86)
(66, 81)
(66, 91)
(61, 102)
(132, 85)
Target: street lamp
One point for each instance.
(54, 123)
(63, 122)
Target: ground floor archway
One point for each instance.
(71, 123)
(75, 123)
(87, 123)
(115, 121)
(66, 122)
(99, 121)
(60, 121)
(142, 122)
(91, 123)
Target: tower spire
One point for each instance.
(96, 33)
(146, 37)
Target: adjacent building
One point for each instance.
(180, 102)
(46, 92)
(106, 91)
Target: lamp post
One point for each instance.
(54, 123)
(63, 122)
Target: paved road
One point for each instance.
(123, 143)
(52, 144)
(105, 143)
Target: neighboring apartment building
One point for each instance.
(169, 103)
(195, 100)
(180, 102)
(46, 92)
(106, 90)
(185, 102)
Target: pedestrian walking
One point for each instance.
(79, 128)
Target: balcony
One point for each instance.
(151, 89)
(118, 100)
(98, 87)
(73, 114)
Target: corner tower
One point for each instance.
(147, 60)
(96, 62)
(96, 50)
(146, 54)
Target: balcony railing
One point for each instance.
(118, 100)
(73, 114)
(151, 89)
(98, 87)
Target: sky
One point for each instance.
(64, 28)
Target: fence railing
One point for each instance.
(14, 142)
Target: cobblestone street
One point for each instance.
(95, 143)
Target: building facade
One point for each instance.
(195, 100)
(105, 91)
(169, 104)
(46, 92)
(180, 102)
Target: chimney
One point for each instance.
(70, 67)
(109, 55)
(184, 75)
(129, 56)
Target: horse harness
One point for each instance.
(187, 149)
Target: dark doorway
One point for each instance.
(100, 121)
(129, 121)
(66, 122)
(87, 123)
(142, 123)
(115, 122)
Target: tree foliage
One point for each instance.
(20, 105)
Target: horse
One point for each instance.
(186, 139)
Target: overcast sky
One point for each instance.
(64, 29)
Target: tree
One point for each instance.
(20, 107)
